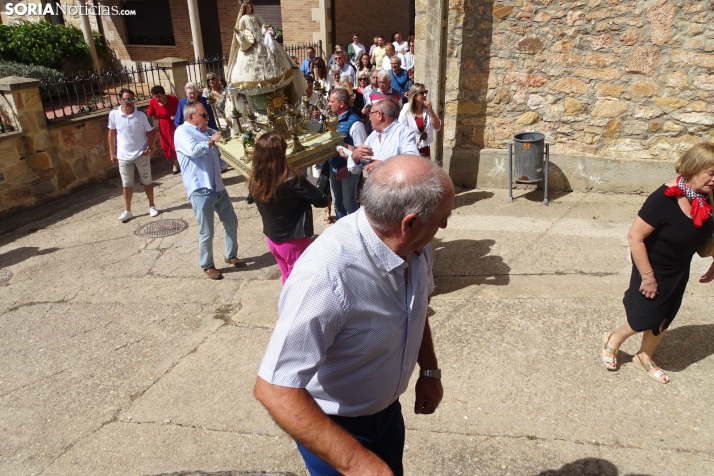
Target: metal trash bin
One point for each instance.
(532, 157)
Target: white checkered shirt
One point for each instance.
(350, 325)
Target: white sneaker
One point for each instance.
(126, 215)
(153, 212)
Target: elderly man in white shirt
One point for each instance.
(389, 138)
(353, 326)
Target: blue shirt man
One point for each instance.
(305, 67)
(343, 179)
(400, 79)
(198, 157)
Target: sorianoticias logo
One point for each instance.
(21, 9)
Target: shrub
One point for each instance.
(42, 44)
(8, 68)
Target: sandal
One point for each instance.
(658, 375)
(609, 362)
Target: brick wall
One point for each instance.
(298, 23)
(617, 78)
(370, 18)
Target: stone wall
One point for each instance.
(623, 79)
(42, 161)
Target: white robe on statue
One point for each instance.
(260, 65)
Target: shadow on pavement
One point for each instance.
(467, 198)
(462, 263)
(18, 255)
(252, 263)
(586, 467)
(683, 346)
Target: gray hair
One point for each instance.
(387, 107)
(341, 94)
(190, 108)
(335, 68)
(190, 85)
(384, 74)
(387, 202)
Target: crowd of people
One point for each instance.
(337, 363)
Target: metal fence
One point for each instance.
(84, 93)
(197, 69)
(81, 94)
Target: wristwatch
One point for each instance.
(430, 373)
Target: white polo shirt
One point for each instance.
(131, 133)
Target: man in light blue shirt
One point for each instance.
(198, 157)
(305, 68)
(353, 326)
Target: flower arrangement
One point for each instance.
(276, 33)
(248, 136)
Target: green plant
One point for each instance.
(100, 45)
(28, 71)
(41, 43)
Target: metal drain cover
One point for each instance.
(5, 275)
(161, 228)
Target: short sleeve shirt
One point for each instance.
(131, 133)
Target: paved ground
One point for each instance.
(117, 356)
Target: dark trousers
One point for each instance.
(381, 433)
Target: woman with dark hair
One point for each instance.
(284, 199)
(164, 107)
(319, 69)
(363, 64)
(674, 222)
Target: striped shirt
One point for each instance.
(351, 323)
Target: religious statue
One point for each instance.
(260, 68)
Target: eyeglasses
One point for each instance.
(363, 79)
(128, 99)
(204, 115)
(374, 112)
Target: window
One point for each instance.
(152, 23)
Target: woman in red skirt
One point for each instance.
(164, 107)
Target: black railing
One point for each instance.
(198, 68)
(80, 94)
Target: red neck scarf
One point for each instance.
(701, 209)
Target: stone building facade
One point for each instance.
(608, 82)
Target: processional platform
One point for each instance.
(318, 147)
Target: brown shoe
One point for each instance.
(237, 262)
(213, 273)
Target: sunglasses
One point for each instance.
(128, 99)
(363, 79)
(204, 115)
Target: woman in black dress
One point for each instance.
(674, 221)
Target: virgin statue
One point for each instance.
(258, 65)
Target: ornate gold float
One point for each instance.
(316, 148)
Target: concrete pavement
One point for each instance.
(118, 356)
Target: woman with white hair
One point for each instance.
(193, 95)
(419, 116)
